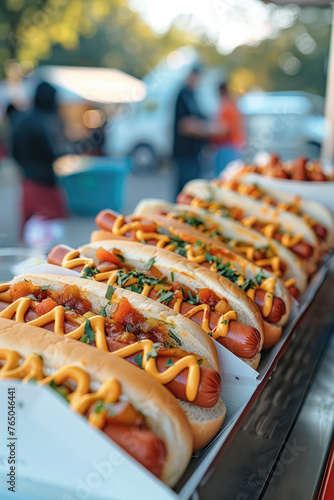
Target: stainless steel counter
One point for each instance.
(281, 448)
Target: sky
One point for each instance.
(227, 23)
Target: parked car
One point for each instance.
(290, 123)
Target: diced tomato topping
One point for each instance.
(185, 289)
(70, 296)
(45, 306)
(123, 311)
(103, 255)
(207, 296)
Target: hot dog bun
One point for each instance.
(247, 268)
(188, 273)
(205, 422)
(291, 223)
(313, 209)
(164, 415)
(233, 230)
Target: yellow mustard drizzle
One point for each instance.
(269, 286)
(195, 258)
(224, 324)
(150, 366)
(267, 199)
(245, 189)
(32, 367)
(248, 221)
(120, 228)
(290, 282)
(311, 222)
(268, 302)
(273, 262)
(289, 240)
(73, 259)
(97, 324)
(111, 276)
(248, 251)
(206, 315)
(80, 399)
(268, 230)
(283, 206)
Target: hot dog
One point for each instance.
(158, 435)
(263, 251)
(243, 340)
(172, 236)
(129, 326)
(316, 216)
(302, 249)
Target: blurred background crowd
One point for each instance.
(104, 102)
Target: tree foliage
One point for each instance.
(107, 33)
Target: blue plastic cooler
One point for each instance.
(99, 185)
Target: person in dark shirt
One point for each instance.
(188, 132)
(34, 139)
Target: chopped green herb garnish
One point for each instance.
(67, 308)
(200, 362)
(247, 285)
(169, 363)
(150, 263)
(192, 299)
(45, 287)
(191, 220)
(153, 353)
(61, 390)
(109, 292)
(31, 296)
(216, 233)
(174, 337)
(165, 296)
(88, 272)
(103, 311)
(98, 407)
(143, 241)
(128, 328)
(89, 334)
(172, 275)
(167, 323)
(139, 360)
(260, 277)
(120, 256)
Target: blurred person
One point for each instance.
(231, 138)
(189, 130)
(34, 141)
